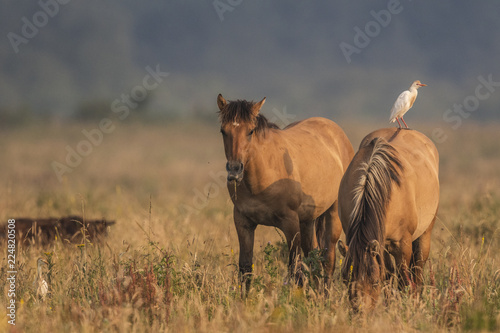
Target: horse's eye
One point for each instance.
(222, 131)
(251, 132)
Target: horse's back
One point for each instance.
(418, 195)
(318, 131)
(417, 152)
(416, 198)
(320, 153)
(315, 125)
(407, 141)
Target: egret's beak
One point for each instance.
(422, 85)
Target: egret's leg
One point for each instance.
(398, 122)
(404, 122)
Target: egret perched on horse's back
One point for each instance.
(405, 102)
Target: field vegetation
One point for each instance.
(170, 261)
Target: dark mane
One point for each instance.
(241, 111)
(371, 195)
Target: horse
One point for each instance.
(388, 201)
(286, 178)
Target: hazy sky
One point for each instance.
(342, 59)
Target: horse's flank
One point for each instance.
(309, 152)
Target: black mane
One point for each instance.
(241, 111)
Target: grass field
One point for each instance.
(170, 262)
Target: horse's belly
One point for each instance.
(269, 210)
(426, 213)
(320, 189)
(426, 200)
(273, 210)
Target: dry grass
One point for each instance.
(170, 263)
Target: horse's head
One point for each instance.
(239, 120)
(363, 271)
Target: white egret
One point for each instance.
(42, 287)
(405, 102)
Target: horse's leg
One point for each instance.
(290, 227)
(308, 239)
(333, 229)
(401, 251)
(246, 231)
(406, 251)
(421, 248)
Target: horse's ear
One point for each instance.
(374, 248)
(342, 248)
(257, 106)
(221, 102)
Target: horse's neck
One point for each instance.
(261, 169)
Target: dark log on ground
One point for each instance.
(69, 229)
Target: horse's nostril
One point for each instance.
(234, 166)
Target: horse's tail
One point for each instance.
(373, 192)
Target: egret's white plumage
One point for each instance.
(404, 102)
(42, 287)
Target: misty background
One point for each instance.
(87, 53)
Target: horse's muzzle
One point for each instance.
(234, 171)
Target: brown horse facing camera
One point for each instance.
(286, 178)
(388, 200)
